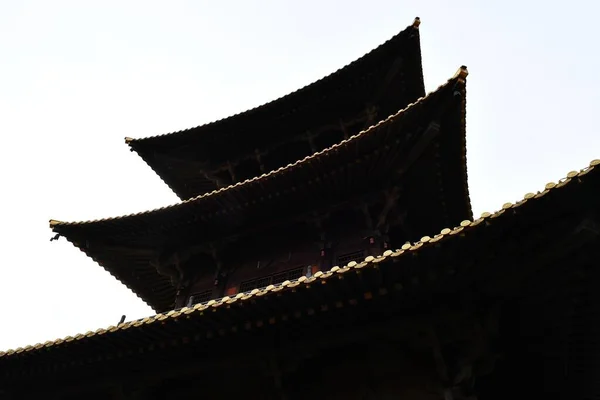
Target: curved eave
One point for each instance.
(135, 273)
(452, 83)
(286, 105)
(567, 196)
(123, 245)
(451, 159)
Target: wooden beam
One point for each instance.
(142, 251)
(368, 217)
(311, 142)
(589, 226)
(343, 129)
(371, 114)
(231, 170)
(440, 363)
(424, 140)
(261, 165)
(274, 370)
(177, 157)
(391, 201)
(201, 167)
(384, 85)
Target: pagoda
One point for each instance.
(324, 247)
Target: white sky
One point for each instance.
(76, 77)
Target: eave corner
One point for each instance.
(416, 23)
(462, 73)
(54, 223)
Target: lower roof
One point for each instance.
(538, 217)
(422, 147)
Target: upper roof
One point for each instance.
(430, 164)
(383, 81)
(537, 216)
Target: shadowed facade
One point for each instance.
(325, 248)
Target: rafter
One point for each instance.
(424, 140)
(202, 168)
(391, 201)
(384, 85)
(311, 142)
(231, 170)
(261, 165)
(207, 167)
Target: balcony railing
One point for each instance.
(273, 279)
(221, 298)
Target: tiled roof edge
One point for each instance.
(461, 74)
(369, 261)
(415, 25)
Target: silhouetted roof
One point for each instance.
(384, 80)
(541, 226)
(429, 164)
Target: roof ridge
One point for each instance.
(369, 261)
(461, 74)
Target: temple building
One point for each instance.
(325, 248)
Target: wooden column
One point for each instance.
(221, 274)
(325, 262)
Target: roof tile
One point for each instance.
(369, 261)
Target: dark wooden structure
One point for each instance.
(326, 279)
(202, 159)
(394, 182)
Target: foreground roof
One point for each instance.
(538, 216)
(430, 164)
(386, 79)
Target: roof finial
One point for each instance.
(54, 222)
(462, 73)
(416, 23)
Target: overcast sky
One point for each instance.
(76, 77)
